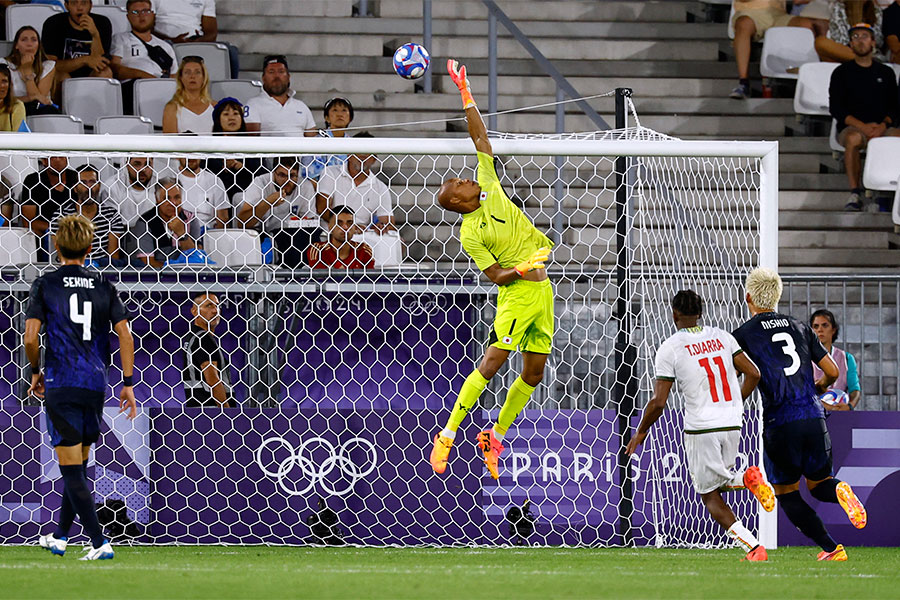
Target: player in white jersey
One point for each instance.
(705, 362)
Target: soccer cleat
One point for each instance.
(758, 554)
(838, 554)
(104, 552)
(54, 545)
(757, 484)
(855, 510)
(492, 448)
(440, 452)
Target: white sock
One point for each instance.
(447, 433)
(742, 536)
(498, 435)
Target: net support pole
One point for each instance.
(625, 351)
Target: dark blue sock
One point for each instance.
(82, 502)
(826, 491)
(67, 511)
(806, 520)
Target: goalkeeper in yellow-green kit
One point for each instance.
(511, 252)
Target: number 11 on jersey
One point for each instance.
(723, 374)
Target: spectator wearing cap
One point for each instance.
(863, 100)
(236, 173)
(78, 41)
(191, 107)
(277, 110)
(340, 251)
(138, 54)
(836, 47)
(338, 115)
(890, 27)
(180, 21)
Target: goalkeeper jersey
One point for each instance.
(498, 231)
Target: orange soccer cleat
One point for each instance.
(440, 452)
(757, 484)
(855, 510)
(492, 448)
(837, 554)
(758, 554)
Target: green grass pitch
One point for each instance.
(512, 573)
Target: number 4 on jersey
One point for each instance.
(713, 388)
(82, 318)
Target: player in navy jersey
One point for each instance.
(77, 307)
(795, 439)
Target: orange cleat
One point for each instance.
(440, 452)
(757, 484)
(492, 448)
(855, 510)
(837, 554)
(758, 554)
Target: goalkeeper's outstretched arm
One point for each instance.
(477, 130)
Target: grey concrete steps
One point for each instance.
(281, 8)
(563, 10)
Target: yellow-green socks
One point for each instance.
(468, 396)
(516, 399)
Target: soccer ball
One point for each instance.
(835, 397)
(411, 61)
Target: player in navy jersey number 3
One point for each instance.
(77, 307)
(795, 439)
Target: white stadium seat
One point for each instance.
(233, 247)
(895, 214)
(214, 55)
(785, 48)
(5, 48)
(18, 246)
(55, 124)
(90, 98)
(242, 89)
(811, 97)
(833, 142)
(18, 15)
(116, 15)
(124, 125)
(882, 169)
(151, 96)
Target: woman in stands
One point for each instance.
(191, 108)
(338, 116)
(826, 329)
(31, 72)
(236, 173)
(835, 47)
(12, 111)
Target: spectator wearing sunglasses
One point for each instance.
(276, 110)
(191, 108)
(138, 54)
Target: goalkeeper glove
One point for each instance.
(458, 75)
(535, 262)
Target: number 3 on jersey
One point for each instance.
(82, 318)
(790, 349)
(713, 388)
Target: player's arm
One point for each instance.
(830, 373)
(32, 344)
(744, 365)
(126, 356)
(212, 378)
(477, 130)
(652, 413)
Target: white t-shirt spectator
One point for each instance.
(130, 201)
(175, 17)
(297, 211)
(19, 87)
(133, 53)
(368, 199)
(203, 195)
(290, 119)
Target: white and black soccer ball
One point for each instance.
(411, 61)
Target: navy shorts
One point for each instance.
(73, 415)
(797, 448)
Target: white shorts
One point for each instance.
(711, 458)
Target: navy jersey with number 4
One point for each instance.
(784, 349)
(77, 307)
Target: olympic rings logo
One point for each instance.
(302, 458)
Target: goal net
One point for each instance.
(339, 377)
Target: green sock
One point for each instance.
(468, 396)
(516, 399)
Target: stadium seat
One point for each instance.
(90, 98)
(5, 48)
(151, 96)
(895, 214)
(731, 22)
(116, 15)
(811, 97)
(882, 169)
(785, 48)
(55, 124)
(215, 57)
(18, 246)
(832, 138)
(233, 247)
(18, 15)
(124, 125)
(242, 89)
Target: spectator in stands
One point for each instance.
(7, 203)
(181, 21)
(138, 54)
(44, 192)
(78, 41)
(165, 231)
(203, 194)
(282, 206)
(338, 115)
(863, 100)
(206, 374)
(277, 110)
(131, 189)
(108, 225)
(190, 109)
(835, 47)
(12, 111)
(340, 251)
(891, 29)
(751, 20)
(817, 11)
(826, 329)
(32, 72)
(236, 173)
(353, 185)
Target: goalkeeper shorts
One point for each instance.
(524, 317)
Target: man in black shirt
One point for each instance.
(165, 230)
(78, 41)
(863, 100)
(206, 376)
(890, 26)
